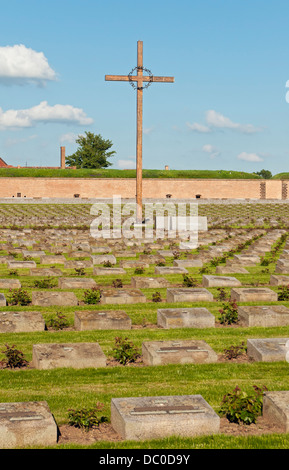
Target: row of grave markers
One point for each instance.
(25, 424)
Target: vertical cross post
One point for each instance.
(139, 132)
(140, 79)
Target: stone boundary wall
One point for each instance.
(94, 188)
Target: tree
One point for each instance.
(91, 153)
(265, 174)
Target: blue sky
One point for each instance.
(227, 108)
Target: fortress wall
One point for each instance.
(152, 188)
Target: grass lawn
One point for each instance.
(68, 388)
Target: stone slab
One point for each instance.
(130, 264)
(102, 320)
(24, 424)
(45, 272)
(267, 349)
(264, 315)
(149, 282)
(261, 294)
(101, 259)
(21, 264)
(276, 408)
(231, 269)
(185, 318)
(188, 263)
(122, 296)
(140, 418)
(156, 353)
(52, 259)
(76, 283)
(74, 355)
(22, 321)
(189, 294)
(247, 260)
(279, 280)
(10, 284)
(3, 301)
(170, 270)
(72, 264)
(220, 281)
(33, 254)
(107, 271)
(45, 299)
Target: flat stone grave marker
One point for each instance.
(75, 355)
(267, 349)
(170, 270)
(100, 249)
(188, 263)
(4, 259)
(15, 322)
(264, 315)
(189, 294)
(133, 264)
(279, 280)
(45, 272)
(231, 269)
(75, 264)
(101, 259)
(276, 408)
(107, 271)
(122, 296)
(199, 317)
(149, 282)
(78, 254)
(152, 259)
(260, 294)
(3, 301)
(76, 283)
(282, 266)
(33, 254)
(166, 253)
(140, 418)
(10, 284)
(177, 352)
(21, 264)
(45, 299)
(102, 320)
(52, 259)
(24, 424)
(220, 281)
(125, 254)
(247, 260)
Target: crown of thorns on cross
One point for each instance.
(150, 76)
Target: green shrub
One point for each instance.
(241, 407)
(48, 283)
(117, 283)
(189, 281)
(156, 297)
(125, 351)
(92, 296)
(86, 418)
(139, 270)
(14, 357)
(229, 313)
(283, 292)
(19, 297)
(58, 322)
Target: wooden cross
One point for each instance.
(140, 78)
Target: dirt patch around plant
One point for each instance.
(105, 432)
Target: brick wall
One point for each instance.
(152, 188)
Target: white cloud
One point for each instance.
(211, 150)
(19, 64)
(198, 127)
(70, 138)
(127, 164)
(215, 120)
(220, 121)
(42, 112)
(249, 157)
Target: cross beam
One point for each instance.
(139, 79)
